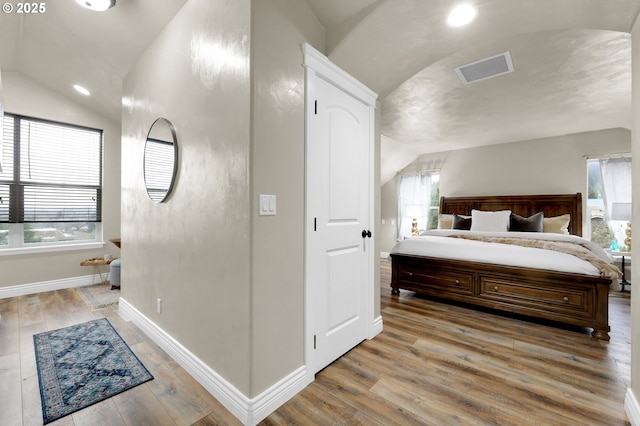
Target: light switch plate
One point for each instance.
(267, 205)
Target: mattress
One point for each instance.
(440, 244)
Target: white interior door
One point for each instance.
(339, 244)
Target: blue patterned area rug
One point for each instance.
(84, 364)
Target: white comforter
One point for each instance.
(437, 244)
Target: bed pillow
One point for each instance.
(557, 224)
(461, 222)
(445, 221)
(533, 223)
(490, 221)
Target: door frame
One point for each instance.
(319, 66)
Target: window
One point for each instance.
(50, 184)
(418, 201)
(597, 226)
(434, 206)
(609, 184)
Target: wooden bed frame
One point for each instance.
(575, 299)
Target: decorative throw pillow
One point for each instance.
(533, 223)
(445, 221)
(557, 224)
(490, 221)
(461, 222)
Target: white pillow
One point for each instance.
(490, 221)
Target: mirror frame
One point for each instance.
(174, 172)
(1, 120)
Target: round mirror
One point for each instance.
(160, 159)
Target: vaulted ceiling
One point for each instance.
(572, 64)
(572, 61)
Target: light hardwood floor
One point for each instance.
(434, 364)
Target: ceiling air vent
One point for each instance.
(485, 68)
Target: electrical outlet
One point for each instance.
(159, 305)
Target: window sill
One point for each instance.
(52, 249)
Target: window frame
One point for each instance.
(16, 221)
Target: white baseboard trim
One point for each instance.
(269, 401)
(33, 288)
(631, 408)
(249, 411)
(376, 328)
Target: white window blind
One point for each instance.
(158, 167)
(52, 172)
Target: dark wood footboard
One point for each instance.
(574, 299)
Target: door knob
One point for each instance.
(366, 233)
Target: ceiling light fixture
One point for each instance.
(461, 15)
(97, 5)
(81, 89)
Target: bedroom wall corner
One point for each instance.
(632, 406)
(389, 213)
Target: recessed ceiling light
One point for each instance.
(81, 89)
(97, 5)
(461, 15)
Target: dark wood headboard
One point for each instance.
(523, 205)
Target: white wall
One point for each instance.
(632, 404)
(26, 97)
(279, 27)
(231, 282)
(193, 251)
(543, 166)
